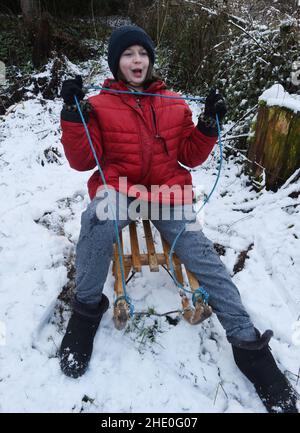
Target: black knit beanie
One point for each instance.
(124, 37)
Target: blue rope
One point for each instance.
(200, 292)
(189, 98)
(126, 297)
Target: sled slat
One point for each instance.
(166, 249)
(153, 264)
(118, 274)
(135, 250)
(175, 260)
(177, 268)
(117, 268)
(144, 258)
(194, 283)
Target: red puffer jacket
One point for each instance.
(141, 139)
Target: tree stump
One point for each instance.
(275, 145)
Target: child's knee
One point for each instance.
(93, 215)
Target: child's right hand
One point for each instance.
(71, 88)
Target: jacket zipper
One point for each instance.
(138, 101)
(144, 172)
(157, 136)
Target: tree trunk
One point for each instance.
(39, 31)
(276, 145)
(29, 9)
(42, 45)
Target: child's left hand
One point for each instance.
(215, 104)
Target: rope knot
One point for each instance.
(201, 294)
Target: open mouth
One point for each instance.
(137, 72)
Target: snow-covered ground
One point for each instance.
(152, 365)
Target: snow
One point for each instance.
(276, 95)
(180, 368)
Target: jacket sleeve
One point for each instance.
(195, 146)
(76, 145)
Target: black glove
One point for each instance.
(71, 88)
(214, 104)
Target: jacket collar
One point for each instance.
(112, 84)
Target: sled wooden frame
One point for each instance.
(136, 260)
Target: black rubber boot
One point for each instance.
(256, 362)
(77, 345)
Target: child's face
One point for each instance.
(134, 63)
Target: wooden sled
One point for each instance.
(136, 260)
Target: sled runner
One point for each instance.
(136, 260)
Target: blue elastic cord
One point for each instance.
(189, 98)
(199, 290)
(200, 294)
(126, 297)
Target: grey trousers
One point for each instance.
(95, 250)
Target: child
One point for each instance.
(142, 138)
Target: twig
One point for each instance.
(146, 313)
(247, 33)
(232, 137)
(216, 393)
(163, 24)
(223, 390)
(295, 374)
(240, 219)
(241, 118)
(131, 276)
(214, 12)
(292, 178)
(248, 160)
(252, 162)
(220, 384)
(93, 18)
(290, 205)
(44, 130)
(263, 60)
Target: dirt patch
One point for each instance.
(221, 250)
(240, 264)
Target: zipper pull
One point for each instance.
(138, 103)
